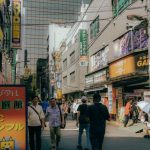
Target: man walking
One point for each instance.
(56, 119)
(35, 122)
(83, 121)
(98, 114)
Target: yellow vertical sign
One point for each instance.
(16, 24)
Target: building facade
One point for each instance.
(7, 54)
(118, 52)
(75, 59)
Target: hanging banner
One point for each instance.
(16, 24)
(13, 118)
(83, 48)
(120, 5)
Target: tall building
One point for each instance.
(38, 15)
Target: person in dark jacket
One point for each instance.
(83, 121)
(98, 114)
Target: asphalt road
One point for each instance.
(117, 138)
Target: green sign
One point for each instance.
(119, 5)
(83, 43)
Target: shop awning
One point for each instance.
(95, 89)
(131, 80)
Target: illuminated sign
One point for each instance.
(12, 118)
(122, 67)
(16, 24)
(141, 62)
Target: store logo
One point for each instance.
(143, 61)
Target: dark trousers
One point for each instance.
(35, 132)
(126, 120)
(97, 141)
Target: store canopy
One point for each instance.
(95, 89)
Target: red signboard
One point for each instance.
(12, 117)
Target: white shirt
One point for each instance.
(33, 118)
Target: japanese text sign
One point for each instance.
(12, 118)
(16, 24)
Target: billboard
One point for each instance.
(16, 24)
(99, 59)
(13, 117)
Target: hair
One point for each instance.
(52, 98)
(96, 97)
(35, 97)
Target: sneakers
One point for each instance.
(79, 147)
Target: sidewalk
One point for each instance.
(134, 128)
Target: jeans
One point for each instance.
(126, 120)
(55, 135)
(35, 131)
(81, 128)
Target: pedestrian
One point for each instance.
(35, 122)
(98, 114)
(56, 119)
(64, 107)
(84, 123)
(127, 112)
(74, 109)
(45, 104)
(135, 113)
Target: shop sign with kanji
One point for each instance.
(13, 117)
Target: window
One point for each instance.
(65, 80)
(72, 76)
(72, 57)
(94, 28)
(0, 61)
(65, 64)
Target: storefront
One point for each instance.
(97, 81)
(129, 77)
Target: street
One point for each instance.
(116, 138)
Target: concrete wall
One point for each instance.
(78, 84)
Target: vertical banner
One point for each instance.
(83, 48)
(16, 24)
(13, 118)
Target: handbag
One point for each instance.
(38, 115)
(61, 126)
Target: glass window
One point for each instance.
(72, 57)
(65, 64)
(94, 28)
(72, 76)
